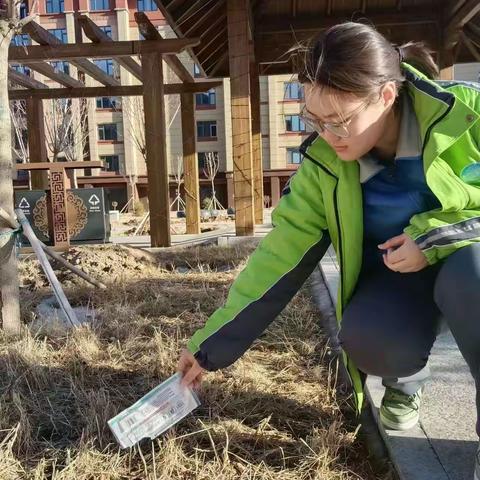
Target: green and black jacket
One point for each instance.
(322, 204)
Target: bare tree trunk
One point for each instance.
(8, 270)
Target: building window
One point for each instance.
(61, 66)
(112, 163)
(146, 5)
(207, 129)
(99, 5)
(20, 40)
(23, 9)
(196, 71)
(294, 124)
(60, 34)
(107, 29)
(21, 69)
(55, 6)
(108, 102)
(108, 131)
(293, 156)
(293, 91)
(208, 98)
(107, 65)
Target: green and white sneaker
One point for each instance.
(400, 411)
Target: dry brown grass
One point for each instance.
(271, 415)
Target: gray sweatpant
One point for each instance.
(392, 320)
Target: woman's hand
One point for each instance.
(191, 370)
(403, 255)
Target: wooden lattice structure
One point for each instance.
(259, 35)
(149, 72)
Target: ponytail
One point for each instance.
(418, 55)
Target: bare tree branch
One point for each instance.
(64, 130)
(18, 115)
(210, 171)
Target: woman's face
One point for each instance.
(365, 119)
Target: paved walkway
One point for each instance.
(443, 446)
(143, 241)
(222, 236)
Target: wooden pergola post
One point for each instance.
(256, 139)
(190, 165)
(155, 142)
(36, 142)
(239, 60)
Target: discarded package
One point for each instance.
(154, 413)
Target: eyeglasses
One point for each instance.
(339, 129)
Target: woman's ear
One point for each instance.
(388, 94)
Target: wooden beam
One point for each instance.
(211, 39)
(190, 164)
(464, 14)
(329, 7)
(48, 71)
(95, 72)
(149, 32)
(188, 10)
(453, 7)
(59, 165)
(122, 91)
(198, 24)
(315, 24)
(36, 141)
(166, 12)
(219, 47)
(458, 21)
(275, 50)
(97, 35)
(24, 80)
(213, 71)
(256, 141)
(44, 37)
(473, 33)
(68, 51)
(172, 4)
(155, 142)
(239, 60)
(470, 46)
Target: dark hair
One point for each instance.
(355, 58)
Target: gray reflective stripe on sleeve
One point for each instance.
(449, 234)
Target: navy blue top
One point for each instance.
(393, 192)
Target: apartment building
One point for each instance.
(114, 124)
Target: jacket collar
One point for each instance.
(443, 117)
